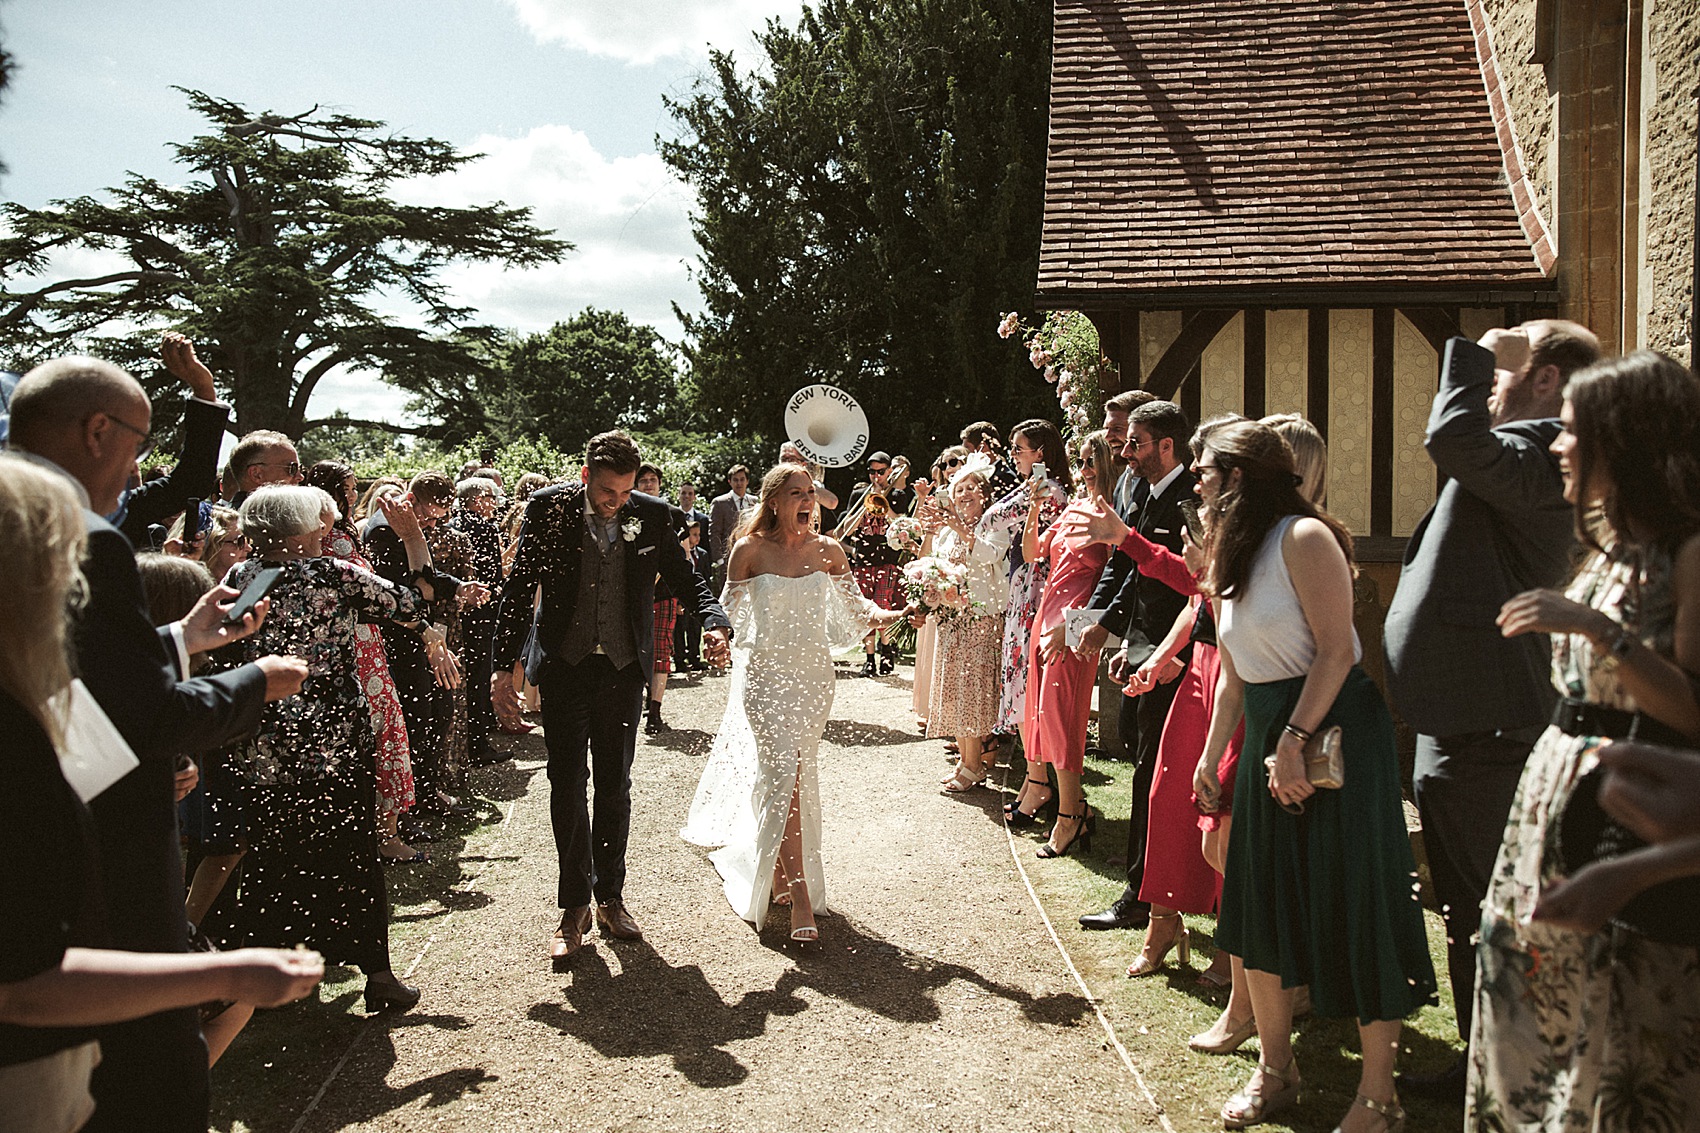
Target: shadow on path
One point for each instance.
(652, 1008)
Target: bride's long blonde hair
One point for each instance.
(764, 517)
(41, 561)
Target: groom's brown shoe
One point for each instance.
(613, 920)
(569, 938)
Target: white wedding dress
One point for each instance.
(784, 632)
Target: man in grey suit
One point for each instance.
(723, 516)
(1478, 700)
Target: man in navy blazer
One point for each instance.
(89, 420)
(595, 548)
(1479, 700)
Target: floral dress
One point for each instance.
(1573, 1032)
(395, 767)
(312, 875)
(1026, 584)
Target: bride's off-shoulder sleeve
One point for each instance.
(849, 615)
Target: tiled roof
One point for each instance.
(1294, 144)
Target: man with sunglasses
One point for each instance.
(262, 457)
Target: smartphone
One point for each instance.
(1040, 472)
(256, 589)
(1194, 522)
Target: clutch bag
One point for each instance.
(1325, 763)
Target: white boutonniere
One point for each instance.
(630, 529)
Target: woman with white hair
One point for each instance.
(313, 875)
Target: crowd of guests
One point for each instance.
(1542, 613)
(301, 673)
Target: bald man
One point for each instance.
(90, 421)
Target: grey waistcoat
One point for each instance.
(600, 616)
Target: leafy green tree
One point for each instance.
(868, 203)
(596, 371)
(273, 256)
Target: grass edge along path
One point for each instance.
(1152, 1017)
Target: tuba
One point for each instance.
(826, 425)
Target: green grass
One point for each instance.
(1154, 1016)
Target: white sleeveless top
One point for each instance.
(1264, 629)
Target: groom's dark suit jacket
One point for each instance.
(551, 543)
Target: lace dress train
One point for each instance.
(784, 633)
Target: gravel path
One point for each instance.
(936, 999)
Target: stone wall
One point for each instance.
(1533, 110)
(1670, 80)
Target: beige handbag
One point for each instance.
(1325, 763)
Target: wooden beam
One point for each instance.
(1256, 361)
(1199, 331)
(1316, 379)
(1381, 426)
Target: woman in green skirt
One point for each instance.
(1321, 887)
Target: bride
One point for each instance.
(792, 602)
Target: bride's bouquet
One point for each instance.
(940, 586)
(905, 534)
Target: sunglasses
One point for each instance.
(953, 462)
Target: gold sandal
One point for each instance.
(1252, 1107)
(1391, 1114)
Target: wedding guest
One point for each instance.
(965, 669)
(262, 457)
(927, 634)
(1479, 701)
(1031, 443)
(224, 545)
(389, 724)
(1060, 682)
(687, 635)
(195, 474)
(59, 978)
(649, 483)
(725, 513)
(313, 874)
(452, 553)
(476, 500)
(1319, 888)
(1141, 610)
(1586, 1001)
(85, 420)
(367, 508)
(872, 559)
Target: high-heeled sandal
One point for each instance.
(1181, 942)
(1082, 835)
(1204, 1044)
(1391, 1113)
(962, 780)
(1015, 816)
(781, 888)
(802, 934)
(1252, 1107)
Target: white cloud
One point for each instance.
(627, 217)
(643, 31)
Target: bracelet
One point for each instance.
(1292, 729)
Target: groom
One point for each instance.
(595, 548)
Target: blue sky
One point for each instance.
(563, 96)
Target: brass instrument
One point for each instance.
(874, 502)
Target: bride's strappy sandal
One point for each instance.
(802, 934)
(1252, 1107)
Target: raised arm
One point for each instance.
(1503, 468)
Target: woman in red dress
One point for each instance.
(1060, 682)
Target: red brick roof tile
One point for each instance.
(1325, 146)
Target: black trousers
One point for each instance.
(478, 631)
(152, 1075)
(426, 708)
(1464, 786)
(590, 721)
(687, 639)
(1141, 720)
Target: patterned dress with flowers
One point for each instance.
(453, 553)
(1026, 584)
(1574, 1032)
(395, 767)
